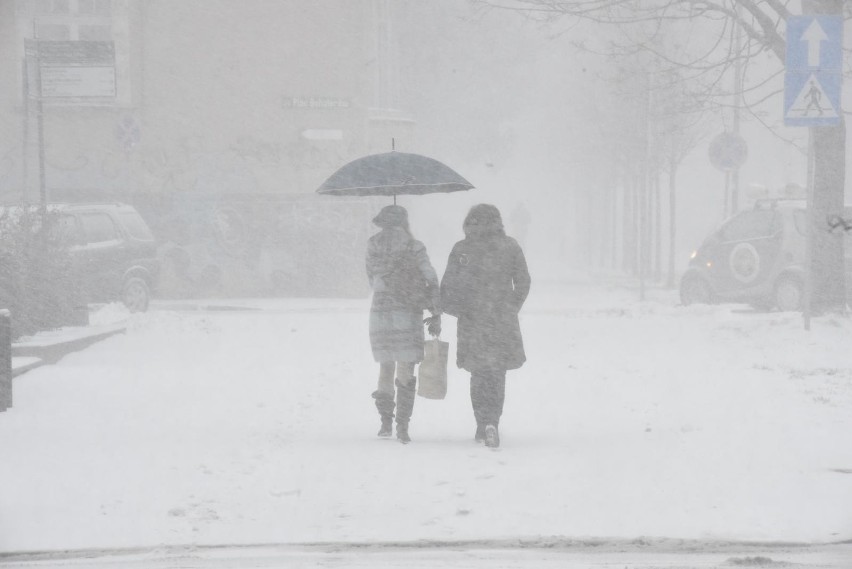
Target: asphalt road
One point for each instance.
(561, 554)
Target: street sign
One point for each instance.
(73, 69)
(814, 62)
(814, 42)
(728, 151)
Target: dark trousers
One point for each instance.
(487, 394)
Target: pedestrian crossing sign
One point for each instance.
(813, 81)
(812, 99)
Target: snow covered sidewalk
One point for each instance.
(248, 427)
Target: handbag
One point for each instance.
(432, 375)
(406, 283)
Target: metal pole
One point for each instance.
(40, 110)
(738, 79)
(25, 138)
(5, 360)
(726, 210)
(809, 232)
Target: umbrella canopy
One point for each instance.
(393, 173)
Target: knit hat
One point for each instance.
(391, 216)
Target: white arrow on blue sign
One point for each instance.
(813, 81)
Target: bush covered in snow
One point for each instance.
(37, 282)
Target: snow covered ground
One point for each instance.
(255, 426)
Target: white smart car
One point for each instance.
(756, 257)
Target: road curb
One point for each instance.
(50, 348)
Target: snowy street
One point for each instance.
(546, 555)
(253, 424)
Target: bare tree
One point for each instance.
(707, 57)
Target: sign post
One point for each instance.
(728, 152)
(813, 78)
(812, 91)
(68, 71)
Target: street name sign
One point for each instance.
(74, 69)
(813, 80)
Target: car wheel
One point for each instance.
(789, 294)
(695, 290)
(135, 294)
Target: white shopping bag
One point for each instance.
(432, 376)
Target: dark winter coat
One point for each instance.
(485, 286)
(396, 330)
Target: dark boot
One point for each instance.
(487, 395)
(404, 408)
(492, 436)
(385, 405)
(480, 433)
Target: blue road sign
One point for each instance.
(814, 43)
(814, 78)
(812, 99)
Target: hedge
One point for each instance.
(37, 277)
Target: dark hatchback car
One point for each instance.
(114, 251)
(756, 257)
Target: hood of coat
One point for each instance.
(483, 221)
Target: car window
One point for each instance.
(750, 225)
(69, 231)
(135, 226)
(98, 227)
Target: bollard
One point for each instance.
(5, 360)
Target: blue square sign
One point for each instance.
(813, 81)
(812, 99)
(814, 43)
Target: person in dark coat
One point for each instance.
(396, 327)
(485, 286)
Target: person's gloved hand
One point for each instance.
(433, 325)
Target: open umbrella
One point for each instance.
(392, 173)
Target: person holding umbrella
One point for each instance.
(485, 286)
(396, 317)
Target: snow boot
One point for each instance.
(492, 437)
(480, 433)
(404, 408)
(385, 405)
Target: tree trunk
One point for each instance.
(828, 287)
(658, 230)
(670, 282)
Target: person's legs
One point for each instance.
(487, 395)
(405, 382)
(386, 375)
(499, 393)
(384, 397)
(477, 401)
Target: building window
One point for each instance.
(53, 7)
(83, 20)
(89, 32)
(56, 32)
(94, 7)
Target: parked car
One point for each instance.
(114, 251)
(756, 257)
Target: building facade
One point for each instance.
(217, 119)
(197, 95)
